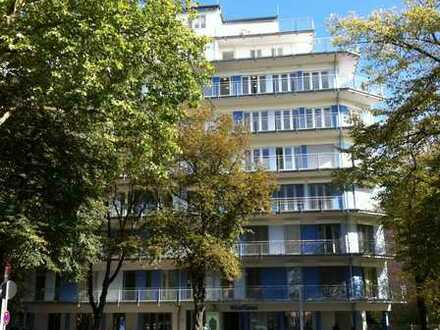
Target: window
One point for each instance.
(262, 83)
(255, 121)
(277, 120)
(237, 117)
(293, 82)
(54, 321)
(276, 83)
(228, 55)
(266, 158)
(327, 117)
(119, 322)
(288, 159)
(225, 88)
(129, 281)
(318, 118)
(40, 284)
(200, 22)
(286, 119)
(306, 77)
(284, 83)
(277, 51)
(254, 85)
(280, 158)
(256, 53)
(247, 120)
(245, 83)
(309, 118)
(160, 321)
(315, 80)
(325, 80)
(264, 121)
(256, 156)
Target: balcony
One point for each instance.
(306, 204)
(300, 162)
(324, 247)
(286, 83)
(280, 48)
(278, 293)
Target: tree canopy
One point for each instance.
(90, 91)
(400, 151)
(213, 198)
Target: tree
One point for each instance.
(398, 152)
(90, 91)
(213, 199)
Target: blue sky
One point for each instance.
(319, 10)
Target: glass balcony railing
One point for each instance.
(323, 247)
(294, 293)
(289, 247)
(275, 49)
(285, 85)
(300, 162)
(304, 204)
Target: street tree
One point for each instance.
(90, 92)
(401, 50)
(213, 198)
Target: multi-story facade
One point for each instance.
(319, 259)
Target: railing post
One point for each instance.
(301, 307)
(158, 296)
(138, 297)
(119, 297)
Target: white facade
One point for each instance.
(319, 260)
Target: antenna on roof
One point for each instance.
(278, 10)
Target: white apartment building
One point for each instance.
(319, 260)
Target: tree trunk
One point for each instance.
(422, 310)
(97, 319)
(199, 296)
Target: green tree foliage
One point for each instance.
(213, 198)
(90, 92)
(401, 49)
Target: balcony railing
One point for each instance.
(301, 46)
(285, 85)
(290, 247)
(303, 204)
(322, 247)
(295, 293)
(300, 162)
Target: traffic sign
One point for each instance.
(6, 318)
(12, 289)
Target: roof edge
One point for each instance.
(250, 19)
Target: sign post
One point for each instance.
(5, 317)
